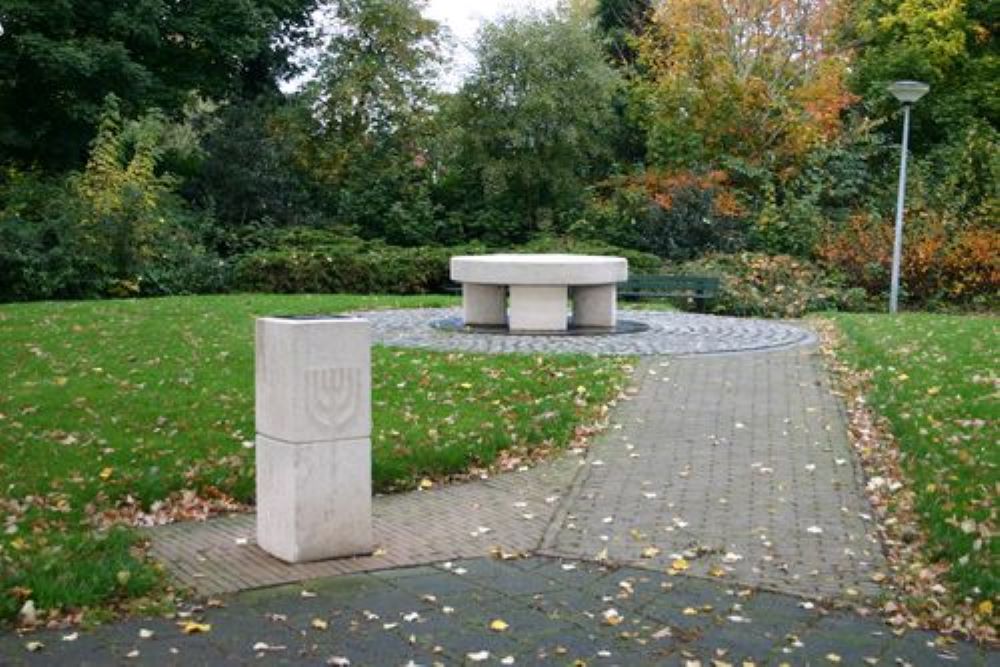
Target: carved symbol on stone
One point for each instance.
(333, 395)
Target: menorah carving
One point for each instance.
(333, 395)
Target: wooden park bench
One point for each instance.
(699, 288)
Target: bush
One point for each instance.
(638, 262)
(943, 260)
(340, 264)
(42, 253)
(348, 268)
(677, 216)
(773, 286)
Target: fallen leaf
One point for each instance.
(499, 625)
(478, 656)
(679, 565)
(193, 628)
(650, 552)
(34, 647)
(264, 646)
(319, 624)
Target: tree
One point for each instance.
(533, 121)
(949, 44)
(759, 80)
(621, 22)
(250, 174)
(364, 123)
(58, 61)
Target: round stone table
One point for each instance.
(540, 288)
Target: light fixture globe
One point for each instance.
(908, 92)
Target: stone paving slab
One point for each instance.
(437, 616)
(738, 464)
(669, 333)
(510, 511)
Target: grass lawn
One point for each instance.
(105, 403)
(935, 378)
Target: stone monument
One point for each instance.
(313, 409)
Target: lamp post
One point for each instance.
(907, 92)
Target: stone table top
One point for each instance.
(547, 269)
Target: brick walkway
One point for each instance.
(737, 464)
(509, 512)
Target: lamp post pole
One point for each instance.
(897, 246)
(907, 92)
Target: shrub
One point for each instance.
(638, 262)
(350, 265)
(772, 286)
(348, 268)
(943, 259)
(677, 216)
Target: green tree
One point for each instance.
(950, 44)
(59, 59)
(533, 124)
(621, 22)
(362, 127)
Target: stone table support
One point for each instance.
(539, 287)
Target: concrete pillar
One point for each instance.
(313, 411)
(595, 306)
(484, 304)
(538, 308)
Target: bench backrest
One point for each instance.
(671, 285)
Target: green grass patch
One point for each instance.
(103, 402)
(935, 380)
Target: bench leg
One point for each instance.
(538, 308)
(484, 304)
(595, 306)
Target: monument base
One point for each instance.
(314, 499)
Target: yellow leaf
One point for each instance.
(498, 625)
(18, 543)
(426, 484)
(61, 381)
(193, 628)
(465, 385)
(833, 657)
(679, 565)
(650, 552)
(106, 473)
(319, 624)
(690, 611)
(985, 608)
(717, 572)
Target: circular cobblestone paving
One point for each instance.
(669, 333)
